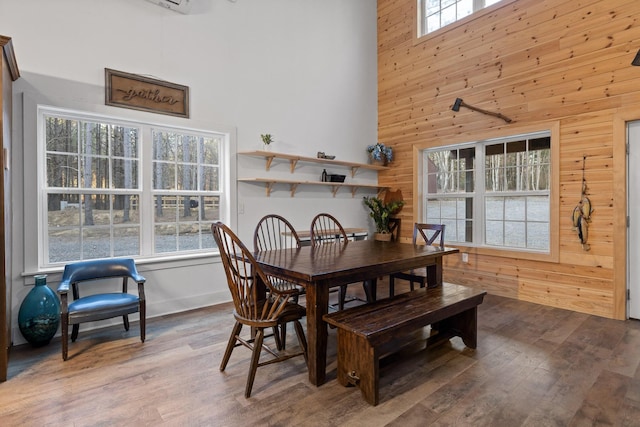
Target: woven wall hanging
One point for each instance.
(582, 213)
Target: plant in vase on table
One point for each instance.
(380, 153)
(381, 212)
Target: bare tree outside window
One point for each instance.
(95, 200)
(184, 188)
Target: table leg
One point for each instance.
(317, 306)
(434, 273)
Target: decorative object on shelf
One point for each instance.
(267, 139)
(321, 155)
(331, 177)
(581, 215)
(380, 154)
(39, 315)
(381, 212)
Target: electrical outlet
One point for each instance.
(465, 257)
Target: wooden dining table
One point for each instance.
(322, 267)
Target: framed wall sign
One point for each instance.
(143, 93)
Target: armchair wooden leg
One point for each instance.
(125, 319)
(143, 322)
(74, 332)
(65, 337)
(231, 345)
(255, 359)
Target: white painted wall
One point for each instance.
(302, 70)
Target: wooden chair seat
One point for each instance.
(290, 313)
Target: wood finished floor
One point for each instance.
(534, 366)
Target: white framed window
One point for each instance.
(435, 14)
(493, 193)
(111, 187)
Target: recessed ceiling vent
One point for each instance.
(181, 6)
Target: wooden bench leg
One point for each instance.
(463, 325)
(358, 365)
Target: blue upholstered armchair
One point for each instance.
(99, 306)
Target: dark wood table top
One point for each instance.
(355, 261)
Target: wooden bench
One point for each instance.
(369, 332)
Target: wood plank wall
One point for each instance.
(541, 63)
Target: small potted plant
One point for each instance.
(380, 153)
(267, 139)
(381, 212)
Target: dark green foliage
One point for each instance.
(381, 212)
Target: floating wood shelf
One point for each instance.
(293, 185)
(294, 159)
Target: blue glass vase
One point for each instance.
(39, 315)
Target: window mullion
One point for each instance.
(479, 196)
(424, 186)
(146, 198)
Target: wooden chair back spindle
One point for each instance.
(274, 232)
(325, 228)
